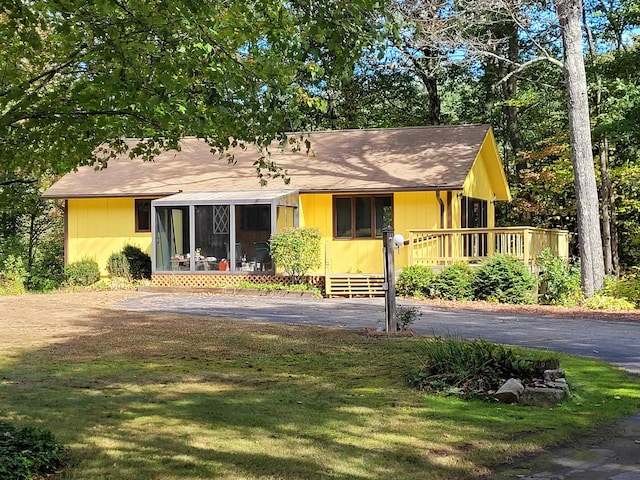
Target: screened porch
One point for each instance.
(218, 232)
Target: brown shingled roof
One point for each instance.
(417, 158)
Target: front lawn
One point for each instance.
(161, 397)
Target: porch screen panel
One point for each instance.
(172, 236)
(212, 234)
(474, 215)
(253, 230)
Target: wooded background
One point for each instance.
(74, 76)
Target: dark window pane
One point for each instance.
(143, 215)
(343, 217)
(363, 217)
(384, 214)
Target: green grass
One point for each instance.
(160, 397)
(270, 287)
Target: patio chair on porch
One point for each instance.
(263, 255)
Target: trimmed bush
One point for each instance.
(504, 279)
(28, 452)
(296, 251)
(82, 273)
(558, 283)
(139, 262)
(455, 282)
(118, 266)
(415, 281)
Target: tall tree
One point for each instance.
(479, 33)
(589, 236)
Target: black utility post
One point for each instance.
(389, 285)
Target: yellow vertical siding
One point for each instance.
(478, 182)
(414, 210)
(410, 210)
(98, 227)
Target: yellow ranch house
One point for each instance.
(206, 221)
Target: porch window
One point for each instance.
(362, 216)
(143, 214)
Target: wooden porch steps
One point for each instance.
(354, 285)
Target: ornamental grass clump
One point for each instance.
(469, 368)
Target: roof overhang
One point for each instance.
(231, 197)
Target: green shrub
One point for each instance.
(139, 262)
(605, 302)
(504, 279)
(118, 265)
(455, 282)
(405, 316)
(470, 368)
(13, 276)
(27, 453)
(270, 287)
(558, 283)
(627, 286)
(296, 251)
(415, 281)
(47, 270)
(82, 273)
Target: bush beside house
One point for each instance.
(296, 251)
(504, 279)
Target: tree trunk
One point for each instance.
(589, 238)
(615, 243)
(609, 231)
(606, 207)
(510, 91)
(427, 73)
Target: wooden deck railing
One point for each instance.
(444, 247)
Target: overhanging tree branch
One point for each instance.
(525, 65)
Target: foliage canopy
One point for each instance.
(80, 74)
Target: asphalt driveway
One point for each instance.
(616, 342)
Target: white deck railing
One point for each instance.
(469, 245)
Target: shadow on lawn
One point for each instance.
(156, 396)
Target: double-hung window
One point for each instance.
(361, 216)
